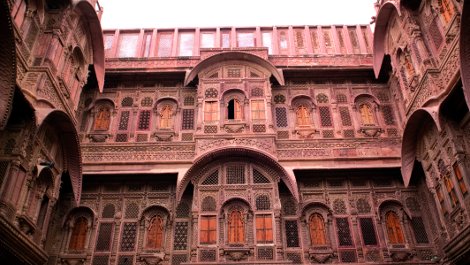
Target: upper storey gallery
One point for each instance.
(291, 41)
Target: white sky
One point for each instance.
(240, 13)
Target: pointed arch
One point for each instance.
(199, 164)
(383, 16)
(65, 127)
(410, 137)
(232, 55)
(465, 50)
(7, 64)
(86, 9)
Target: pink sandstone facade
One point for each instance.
(258, 145)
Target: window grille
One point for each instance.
(164, 45)
(354, 40)
(412, 204)
(283, 134)
(348, 256)
(132, 210)
(144, 120)
(325, 116)
(281, 117)
(292, 233)
(108, 211)
(263, 202)
(126, 260)
(341, 98)
(128, 237)
(314, 38)
(177, 259)
(322, 98)
(104, 237)
(124, 120)
(182, 210)
(100, 260)
(388, 115)
(339, 207)
(257, 92)
(181, 236)
(236, 174)
(289, 207)
(121, 137)
(212, 179)
(328, 134)
(127, 102)
(146, 102)
(208, 204)
(259, 128)
(419, 230)
(344, 233)
(142, 137)
(259, 178)
(348, 133)
(363, 206)
(186, 137)
(188, 119)
(265, 253)
(294, 257)
(368, 231)
(233, 72)
(211, 93)
(188, 101)
(279, 99)
(207, 255)
(382, 96)
(392, 132)
(210, 129)
(345, 116)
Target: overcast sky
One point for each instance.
(212, 13)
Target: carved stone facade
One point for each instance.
(272, 145)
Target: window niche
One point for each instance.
(237, 219)
(234, 111)
(166, 111)
(316, 223)
(78, 225)
(393, 221)
(303, 109)
(103, 111)
(366, 108)
(154, 227)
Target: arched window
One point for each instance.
(234, 110)
(394, 230)
(166, 117)
(236, 230)
(303, 116)
(366, 114)
(103, 118)
(155, 233)
(317, 229)
(410, 70)
(79, 232)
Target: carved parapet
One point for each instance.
(165, 136)
(73, 259)
(320, 254)
(98, 137)
(398, 255)
(371, 131)
(237, 254)
(152, 258)
(306, 132)
(26, 225)
(235, 127)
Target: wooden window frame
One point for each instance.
(394, 229)
(208, 230)
(156, 230)
(236, 228)
(317, 230)
(264, 229)
(79, 234)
